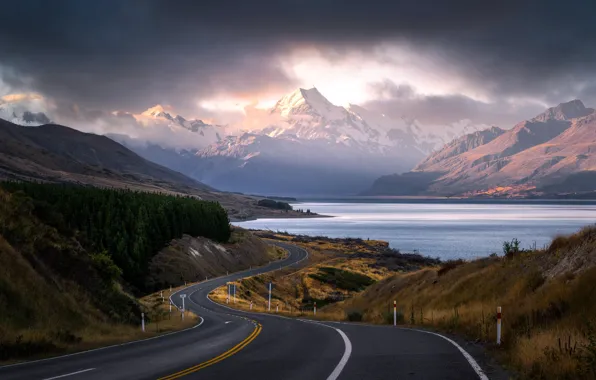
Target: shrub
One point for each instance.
(355, 316)
(343, 279)
(510, 249)
(449, 265)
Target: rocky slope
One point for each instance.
(193, 258)
(535, 157)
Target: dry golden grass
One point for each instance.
(545, 319)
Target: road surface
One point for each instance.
(230, 344)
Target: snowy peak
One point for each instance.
(565, 111)
(159, 111)
(308, 101)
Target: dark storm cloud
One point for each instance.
(447, 109)
(128, 54)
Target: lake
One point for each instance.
(440, 229)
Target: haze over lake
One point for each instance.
(447, 230)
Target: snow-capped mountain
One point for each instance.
(307, 134)
(160, 115)
(306, 114)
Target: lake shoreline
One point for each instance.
(445, 229)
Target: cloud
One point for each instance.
(127, 55)
(402, 100)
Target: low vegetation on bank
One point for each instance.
(337, 269)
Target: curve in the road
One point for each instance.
(228, 346)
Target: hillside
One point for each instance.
(536, 157)
(56, 153)
(191, 259)
(547, 299)
(53, 292)
(74, 259)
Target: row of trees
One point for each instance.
(129, 226)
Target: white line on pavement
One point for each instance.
(70, 374)
(468, 357)
(344, 359)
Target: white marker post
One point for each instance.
(170, 307)
(170, 289)
(234, 293)
(183, 296)
(499, 325)
(269, 307)
(143, 322)
(277, 308)
(315, 308)
(161, 293)
(250, 305)
(394, 313)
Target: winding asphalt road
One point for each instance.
(231, 344)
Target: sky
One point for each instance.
(440, 62)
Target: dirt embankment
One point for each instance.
(192, 259)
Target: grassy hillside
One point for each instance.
(51, 289)
(68, 257)
(548, 299)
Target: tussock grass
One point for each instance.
(548, 301)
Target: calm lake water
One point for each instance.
(445, 230)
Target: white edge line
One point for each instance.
(346, 356)
(70, 374)
(468, 357)
(102, 348)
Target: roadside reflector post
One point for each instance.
(183, 296)
(161, 294)
(170, 307)
(269, 304)
(499, 325)
(250, 305)
(234, 293)
(277, 308)
(394, 313)
(143, 322)
(315, 308)
(170, 289)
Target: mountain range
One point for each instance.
(553, 153)
(309, 146)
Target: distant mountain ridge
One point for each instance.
(534, 158)
(56, 153)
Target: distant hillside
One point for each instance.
(54, 153)
(544, 156)
(60, 154)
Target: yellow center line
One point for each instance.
(217, 359)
